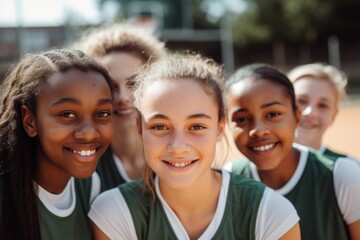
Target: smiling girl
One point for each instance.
(123, 49)
(263, 115)
(55, 124)
(319, 89)
(181, 197)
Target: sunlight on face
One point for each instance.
(180, 128)
(317, 101)
(73, 123)
(262, 122)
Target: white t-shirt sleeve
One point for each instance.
(228, 166)
(95, 186)
(347, 188)
(276, 216)
(111, 214)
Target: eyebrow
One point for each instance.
(265, 105)
(101, 101)
(193, 116)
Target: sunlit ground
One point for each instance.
(344, 135)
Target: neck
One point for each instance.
(50, 178)
(128, 148)
(313, 143)
(195, 206)
(278, 177)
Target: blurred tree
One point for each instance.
(300, 21)
(278, 20)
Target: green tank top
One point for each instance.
(76, 226)
(332, 155)
(238, 222)
(314, 199)
(108, 172)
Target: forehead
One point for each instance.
(250, 91)
(315, 87)
(74, 82)
(177, 96)
(121, 65)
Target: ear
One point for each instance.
(28, 121)
(221, 129)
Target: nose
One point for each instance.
(86, 131)
(123, 95)
(178, 145)
(259, 129)
(309, 110)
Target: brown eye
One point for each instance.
(158, 127)
(67, 115)
(104, 114)
(273, 114)
(197, 127)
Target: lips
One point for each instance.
(123, 110)
(264, 148)
(178, 164)
(308, 125)
(84, 153)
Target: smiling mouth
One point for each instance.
(123, 111)
(84, 153)
(308, 125)
(264, 147)
(180, 164)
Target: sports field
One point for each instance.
(344, 134)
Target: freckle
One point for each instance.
(94, 85)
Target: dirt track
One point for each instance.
(344, 135)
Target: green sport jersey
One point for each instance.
(75, 226)
(331, 154)
(108, 171)
(240, 212)
(311, 190)
(246, 210)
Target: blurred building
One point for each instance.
(16, 41)
(174, 22)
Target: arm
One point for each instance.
(111, 216)
(277, 218)
(98, 234)
(347, 190)
(354, 230)
(292, 234)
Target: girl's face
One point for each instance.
(73, 123)
(262, 121)
(317, 102)
(180, 127)
(121, 67)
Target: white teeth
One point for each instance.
(84, 153)
(264, 148)
(180, 165)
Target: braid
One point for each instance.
(18, 163)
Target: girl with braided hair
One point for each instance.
(55, 123)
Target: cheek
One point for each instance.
(152, 144)
(240, 137)
(107, 131)
(327, 118)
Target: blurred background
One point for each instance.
(233, 32)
